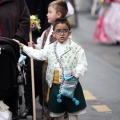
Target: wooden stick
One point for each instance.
(33, 83)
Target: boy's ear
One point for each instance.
(59, 14)
(70, 32)
(53, 33)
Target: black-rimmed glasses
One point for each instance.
(60, 31)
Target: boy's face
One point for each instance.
(52, 14)
(61, 32)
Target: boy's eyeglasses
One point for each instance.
(64, 31)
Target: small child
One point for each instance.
(66, 60)
(56, 9)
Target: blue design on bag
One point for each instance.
(67, 89)
(67, 76)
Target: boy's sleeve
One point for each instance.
(81, 64)
(36, 54)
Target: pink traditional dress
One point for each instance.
(99, 33)
(112, 22)
(107, 28)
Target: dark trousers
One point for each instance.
(38, 83)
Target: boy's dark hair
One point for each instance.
(62, 21)
(60, 6)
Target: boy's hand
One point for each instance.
(71, 73)
(16, 41)
(31, 44)
(21, 44)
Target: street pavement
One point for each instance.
(102, 79)
(101, 82)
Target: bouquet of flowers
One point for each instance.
(105, 1)
(34, 23)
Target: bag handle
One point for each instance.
(59, 61)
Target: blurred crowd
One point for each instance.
(108, 23)
(107, 28)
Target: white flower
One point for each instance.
(33, 17)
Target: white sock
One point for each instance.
(73, 117)
(59, 118)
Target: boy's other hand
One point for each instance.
(31, 44)
(21, 44)
(16, 41)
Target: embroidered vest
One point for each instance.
(68, 60)
(52, 39)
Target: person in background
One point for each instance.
(66, 61)
(14, 24)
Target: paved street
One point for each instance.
(103, 76)
(101, 82)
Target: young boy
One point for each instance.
(56, 9)
(64, 57)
